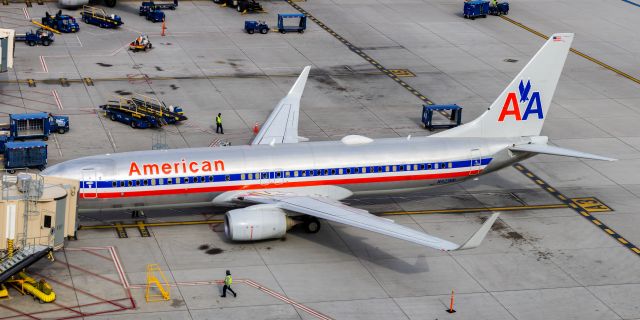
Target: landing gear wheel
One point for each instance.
(312, 225)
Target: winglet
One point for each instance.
(476, 238)
(298, 87)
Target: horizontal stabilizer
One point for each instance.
(557, 151)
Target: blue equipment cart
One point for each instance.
(474, 9)
(100, 18)
(151, 12)
(454, 120)
(61, 22)
(36, 125)
(251, 27)
(300, 27)
(40, 36)
(500, 9)
(30, 154)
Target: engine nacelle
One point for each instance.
(257, 222)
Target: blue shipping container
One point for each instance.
(29, 154)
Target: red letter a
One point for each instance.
(511, 99)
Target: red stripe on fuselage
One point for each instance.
(291, 184)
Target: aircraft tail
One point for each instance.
(521, 108)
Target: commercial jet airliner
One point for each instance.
(281, 180)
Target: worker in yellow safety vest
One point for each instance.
(494, 3)
(227, 285)
(219, 124)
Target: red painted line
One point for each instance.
(68, 308)
(78, 306)
(44, 65)
(18, 312)
(57, 99)
(287, 300)
(97, 255)
(26, 13)
(82, 291)
(89, 272)
(184, 190)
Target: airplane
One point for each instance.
(281, 180)
(78, 3)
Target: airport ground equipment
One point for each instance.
(140, 43)
(454, 120)
(501, 9)
(40, 290)
(284, 28)
(40, 36)
(98, 17)
(151, 12)
(158, 109)
(25, 154)
(36, 125)
(3, 141)
(129, 116)
(251, 26)
(162, 6)
(61, 22)
(475, 9)
(243, 6)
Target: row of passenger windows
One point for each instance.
(281, 174)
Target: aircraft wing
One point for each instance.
(282, 124)
(333, 210)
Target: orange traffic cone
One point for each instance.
(256, 128)
(164, 27)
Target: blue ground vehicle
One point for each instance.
(454, 120)
(36, 125)
(500, 9)
(475, 9)
(61, 22)
(251, 27)
(30, 154)
(151, 12)
(129, 116)
(299, 27)
(100, 18)
(39, 36)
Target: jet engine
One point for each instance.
(258, 222)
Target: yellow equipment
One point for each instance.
(40, 290)
(44, 27)
(4, 293)
(162, 287)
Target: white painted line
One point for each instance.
(57, 98)
(55, 139)
(113, 142)
(80, 42)
(44, 64)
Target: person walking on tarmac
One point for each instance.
(227, 285)
(219, 124)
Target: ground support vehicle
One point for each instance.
(500, 9)
(299, 27)
(36, 125)
(251, 27)
(156, 108)
(151, 12)
(454, 119)
(40, 36)
(98, 17)
(140, 43)
(61, 22)
(130, 116)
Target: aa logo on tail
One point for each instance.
(512, 107)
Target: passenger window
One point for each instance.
(129, 183)
(278, 174)
(137, 183)
(113, 184)
(295, 173)
(169, 181)
(287, 174)
(303, 173)
(145, 182)
(450, 165)
(348, 170)
(227, 178)
(333, 171)
(400, 168)
(326, 172)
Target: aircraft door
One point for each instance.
(89, 184)
(476, 161)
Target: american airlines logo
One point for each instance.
(181, 167)
(512, 108)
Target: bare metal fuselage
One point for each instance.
(181, 177)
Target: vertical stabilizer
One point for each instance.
(521, 108)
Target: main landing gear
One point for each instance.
(311, 225)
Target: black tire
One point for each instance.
(282, 31)
(61, 130)
(31, 43)
(46, 42)
(110, 3)
(473, 18)
(300, 31)
(133, 124)
(112, 117)
(150, 45)
(12, 171)
(41, 168)
(264, 30)
(45, 138)
(239, 8)
(312, 225)
(250, 31)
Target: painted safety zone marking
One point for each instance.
(56, 97)
(592, 204)
(578, 208)
(402, 72)
(43, 63)
(26, 13)
(359, 52)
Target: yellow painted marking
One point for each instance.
(596, 221)
(551, 189)
(591, 204)
(609, 231)
(529, 174)
(623, 241)
(422, 97)
(573, 205)
(402, 72)
(636, 250)
(539, 181)
(562, 197)
(584, 213)
(153, 224)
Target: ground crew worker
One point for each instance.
(494, 3)
(227, 285)
(219, 124)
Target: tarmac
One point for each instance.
(556, 263)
